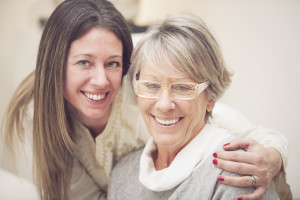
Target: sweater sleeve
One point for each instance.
(238, 125)
(82, 186)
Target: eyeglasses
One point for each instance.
(178, 90)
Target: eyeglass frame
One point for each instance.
(199, 88)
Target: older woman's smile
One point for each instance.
(167, 122)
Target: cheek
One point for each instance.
(70, 88)
(73, 77)
(145, 106)
(115, 79)
(202, 105)
(73, 82)
(142, 105)
(197, 113)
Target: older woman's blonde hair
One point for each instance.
(185, 43)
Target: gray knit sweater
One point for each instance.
(202, 184)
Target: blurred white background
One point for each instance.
(260, 41)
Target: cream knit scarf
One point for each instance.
(185, 162)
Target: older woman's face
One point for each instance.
(172, 123)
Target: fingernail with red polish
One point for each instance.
(239, 198)
(215, 155)
(215, 161)
(220, 178)
(227, 145)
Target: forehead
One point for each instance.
(156, 57)
(161, 70)
(97, 40)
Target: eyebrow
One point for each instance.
(90, 55)
(182, 79)
(115, 56)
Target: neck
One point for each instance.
(97, 130)
(95, 125)
(164, 155)
(163, 158)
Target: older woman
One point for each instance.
(178, 74)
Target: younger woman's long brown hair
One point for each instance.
(53, 131)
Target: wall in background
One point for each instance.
(19, 38)
(260, 41)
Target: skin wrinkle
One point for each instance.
(171, 139)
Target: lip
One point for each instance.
(168, 121)
(95, 97)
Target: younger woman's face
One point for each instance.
(93, 75)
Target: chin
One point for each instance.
(94, 115)
(166, 140)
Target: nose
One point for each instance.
(99, 76)
(165, 102)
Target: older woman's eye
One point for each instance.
(152, 86)
(182, 87)
(84, 63)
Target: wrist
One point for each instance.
(274, 161)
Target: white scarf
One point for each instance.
(185, 162)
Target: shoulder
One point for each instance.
(124, 178)
(128, 162)
(224, 191)
(203, 182)
(209, 173)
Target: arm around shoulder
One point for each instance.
(224, 191)
(228, 118)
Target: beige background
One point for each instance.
(260, 41)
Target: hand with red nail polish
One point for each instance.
(252, 161)
(226, 144)
(221, 178)
(215, 162)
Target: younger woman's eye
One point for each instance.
(113, 64)
(84, 63)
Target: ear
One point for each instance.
(210, 105)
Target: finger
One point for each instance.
(256, 194)
(244, 157)
(239, 181)
(237, 156)
(244, 181)
(238, 143)
(236, 167)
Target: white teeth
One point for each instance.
(167, 122)
(95, 97)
